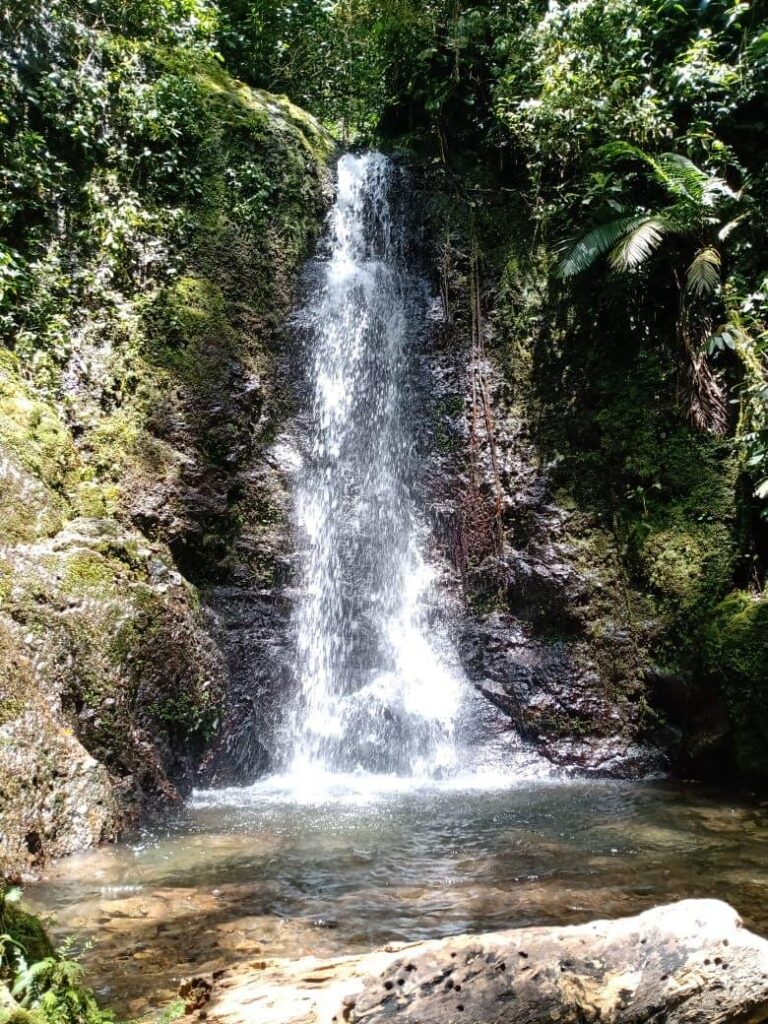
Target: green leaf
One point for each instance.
(596, 243)
(639, 244)
(703, 277)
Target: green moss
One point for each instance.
(734, 649)
(32, 430)
(736, 640)
(445, 411)
(689, 568)
(21, 1016)
(25, 930)
(96, 500)
(184, 717)
(87, 571)
(6, 581)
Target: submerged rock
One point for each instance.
(686, 963)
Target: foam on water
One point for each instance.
(310, 785)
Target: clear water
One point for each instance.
(341, 866)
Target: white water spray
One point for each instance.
(379, 685)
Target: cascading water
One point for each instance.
(378, 686)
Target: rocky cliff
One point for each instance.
(600, 540)
(127, 451)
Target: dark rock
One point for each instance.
(555, 698)
(195, 992)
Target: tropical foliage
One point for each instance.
(700, 213)
(47, 983)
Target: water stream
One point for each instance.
(402, 809)
(379, 686)
(269, 872)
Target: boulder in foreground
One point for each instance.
(687, 963)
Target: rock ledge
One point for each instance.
(687, 963)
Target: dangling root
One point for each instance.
(701, 388)
(705, 396)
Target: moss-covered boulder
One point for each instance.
(111, 688)
(25, 930)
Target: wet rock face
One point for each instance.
(554, 632)
(555, 698)
(251, 627)
(57, 798)
(550, 635)
(690, 962)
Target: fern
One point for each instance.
(679, 176)
(31, 980)
(682, 178)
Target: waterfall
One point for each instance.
(378, 684)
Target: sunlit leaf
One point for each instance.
(639, 244)
(596, 243)
(703, 277)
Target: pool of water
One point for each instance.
(344, 866)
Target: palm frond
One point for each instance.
(682, 177)
(640, 243)
(703, 276)
(679, 175)
(596, 243)
(705, 395)
(726, 230)
(619, 149)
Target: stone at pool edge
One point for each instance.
(689, 962)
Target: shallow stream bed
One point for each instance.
(266, 871)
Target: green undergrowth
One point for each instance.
(38, 984)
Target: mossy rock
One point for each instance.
(18, 1015)
(734, 650)
(26, 930)
(32, 430)
(689, 567)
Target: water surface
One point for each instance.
(346, 866)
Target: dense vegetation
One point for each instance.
(552, 100)
(600, 164)
(599, 113)
(607, 156)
